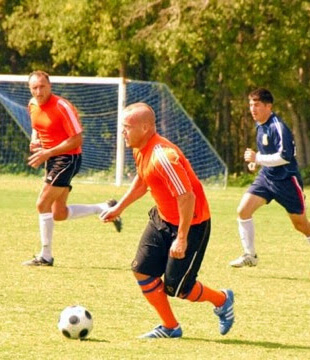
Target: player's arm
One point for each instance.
(270, 160)
(256, 158)
(137, 189)
(41, 155)
(284, 144)
(35, 142)
(284, 149)
(186, 207)
(169, 167)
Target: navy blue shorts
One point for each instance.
(288, 192)
(152, 257)
(61, 169)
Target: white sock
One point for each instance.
(46, 224)
(246, 232)
(77, 211)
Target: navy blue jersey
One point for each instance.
(275, 137)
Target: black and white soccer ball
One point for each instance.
(75, 322)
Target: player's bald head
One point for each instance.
(138, 125)
(141, 112)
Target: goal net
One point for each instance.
(100, 102)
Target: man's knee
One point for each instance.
(244, 212)
(59, 216)
(240, 212)
(303, 227)
(60, 213)
(301, 224)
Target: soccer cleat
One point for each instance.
(39, 261)
(244, 260)
(118, 221)
(226, 312)
(162, 332)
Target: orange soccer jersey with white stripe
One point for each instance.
(55, 121)
(168, 174)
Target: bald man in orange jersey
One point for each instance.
(56, 141)
(176, 237)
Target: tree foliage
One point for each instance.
(210, 52)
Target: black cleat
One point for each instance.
(39, 261)
(118, 221)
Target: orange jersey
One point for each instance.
(168, 174)
(55, 121)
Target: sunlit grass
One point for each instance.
(92, 268)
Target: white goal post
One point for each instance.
(120, 82)
(100, 102)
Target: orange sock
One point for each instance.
(153, 290)
(202, 293)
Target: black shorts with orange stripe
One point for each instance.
(152, 257)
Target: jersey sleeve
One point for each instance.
(71, 121)
(169, 167)
(283, 141)
(270, 160)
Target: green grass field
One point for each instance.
(92, 268)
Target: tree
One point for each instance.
(88, 37)
(10, 60)
(219, 51)
(210, 52)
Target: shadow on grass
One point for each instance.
(264, 344)
(95, 340)
(283, 278)
(127, 269)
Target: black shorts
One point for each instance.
(152, 257)
(61, 169)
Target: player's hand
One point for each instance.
(110, 214)
(177, 249)
(35, 146)
(38, 157)
(249, 155)
(252, 166)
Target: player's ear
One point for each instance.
(145, 126)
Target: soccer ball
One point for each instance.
(75, 322)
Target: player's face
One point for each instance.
(40, 88)
(259, 110)
(133, 131)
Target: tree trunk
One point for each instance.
(297, 130)
(304, 79)
(306, 141)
